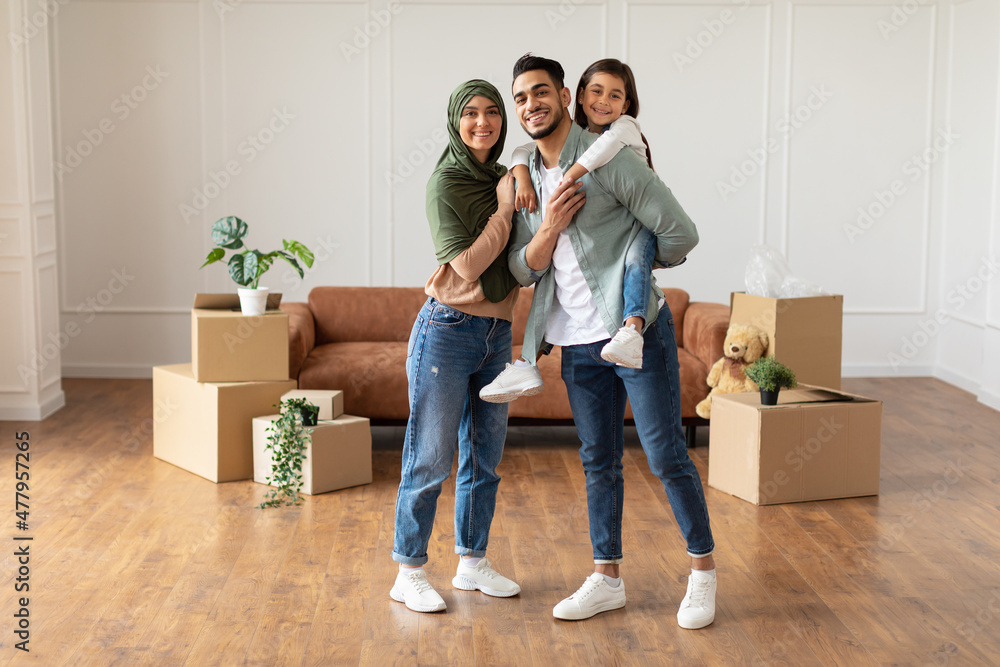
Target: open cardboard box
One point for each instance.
(227, 346)
(816, 444)
(805, 333)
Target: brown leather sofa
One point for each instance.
(354, 339)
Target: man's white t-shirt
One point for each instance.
(574, 318)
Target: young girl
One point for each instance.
(607, 104)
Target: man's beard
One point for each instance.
(546, 131)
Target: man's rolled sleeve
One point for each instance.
(517, 257)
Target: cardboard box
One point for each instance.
(806, 334)
(329, 401)
(339, 456)
(816, 444)
(227, 346)
(206, 427)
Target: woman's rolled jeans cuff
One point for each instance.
(470, 553)
(406, 560)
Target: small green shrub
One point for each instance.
(771, 374)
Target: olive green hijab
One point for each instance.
(461, 193)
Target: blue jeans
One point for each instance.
(638, 274)
(451, 356)
(597, 393)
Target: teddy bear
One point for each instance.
(743, 346)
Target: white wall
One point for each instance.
(837, 95)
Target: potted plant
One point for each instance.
(310, 414)
(770, 375)
(247, 266)
(287, 441)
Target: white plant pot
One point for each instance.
(253, 301)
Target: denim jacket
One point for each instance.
(622, 195)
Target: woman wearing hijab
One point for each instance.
(460, 341)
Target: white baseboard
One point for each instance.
(988, 398)
(974, 387)
(957, 379)
(33, 413)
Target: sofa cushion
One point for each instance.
(693, 385)
(359, 314)
(705, 328)
(372, 376)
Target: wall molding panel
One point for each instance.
(29, 388)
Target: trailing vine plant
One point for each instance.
(287, 441)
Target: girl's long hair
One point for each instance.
(614, 67)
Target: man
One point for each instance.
(577, 266)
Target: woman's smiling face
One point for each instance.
(480, 126)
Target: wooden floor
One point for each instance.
(135, 561)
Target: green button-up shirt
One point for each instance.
(622, 195)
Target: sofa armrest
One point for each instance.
(301, 335)
(705, 326)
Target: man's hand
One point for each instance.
(562, 206)
(565, 201)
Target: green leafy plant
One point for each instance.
(770, 374)
(247, 266)
(310, 414)
(287, 440)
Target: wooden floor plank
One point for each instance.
(171, 635)
(245, 593)
(222, 641)
(806, 619)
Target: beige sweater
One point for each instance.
(456, 283)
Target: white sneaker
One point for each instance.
(416, 592)
(625, 349)
(484, 578)
(513, 383)
(698, 606)
(596, 595)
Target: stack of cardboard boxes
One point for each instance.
(239, 371)
(818, 442)
(339, 453)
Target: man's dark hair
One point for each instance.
(528, 62)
